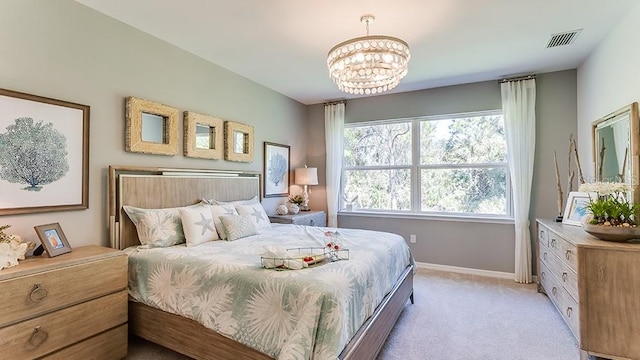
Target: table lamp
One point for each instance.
(306, 176)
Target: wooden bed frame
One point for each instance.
(150, 187)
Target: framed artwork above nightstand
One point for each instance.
(310, 218)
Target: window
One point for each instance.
(455, 164)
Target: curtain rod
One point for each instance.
(334, 102)
(518, 78)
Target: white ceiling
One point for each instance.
(282, 44)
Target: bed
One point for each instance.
(358, 336)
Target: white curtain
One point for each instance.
(333, 129)
(519, 106)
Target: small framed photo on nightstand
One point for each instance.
(53, 239)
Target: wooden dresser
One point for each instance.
(310, 218)
(73, 306)
(595, 285)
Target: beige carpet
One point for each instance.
(459, 317)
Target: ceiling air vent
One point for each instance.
(562, 39)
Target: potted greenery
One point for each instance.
(611, 216)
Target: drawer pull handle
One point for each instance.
(567, 254)
(544, 256)
(554, 290)
(553, 243)
(569, 311)
(38, 337)
(542, 275)
(564, 276)
(38, 293)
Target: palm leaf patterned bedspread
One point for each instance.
(293, 314)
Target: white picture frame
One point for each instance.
(576, 207)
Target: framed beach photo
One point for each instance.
(276, 170)
(576, 207)
(53, 239)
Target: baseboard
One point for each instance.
(468, 271)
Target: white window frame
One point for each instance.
(416, 169)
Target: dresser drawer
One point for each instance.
(560, 297)
(564, 250)
(564, 275)
(28, 296)
(108, 345)
(42, 335)
(310, 220)
(543, 235)
(570, 312)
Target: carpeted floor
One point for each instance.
(459, 317)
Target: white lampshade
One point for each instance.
(306, 176)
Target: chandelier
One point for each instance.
(370, 64)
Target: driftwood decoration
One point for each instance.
(624, 165)
(601, 160)
(571, 174)
(560, 198)
(575, 152)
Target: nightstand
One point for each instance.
(310, 218)
(72, 306)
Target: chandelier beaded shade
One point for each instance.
(370, 64)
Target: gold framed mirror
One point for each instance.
(150, 128)
(616, 148)
(238, 142)
(203, 136)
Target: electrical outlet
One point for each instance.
(412, 239)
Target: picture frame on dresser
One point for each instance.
(576, 207)
(57, 134)
(53, 239)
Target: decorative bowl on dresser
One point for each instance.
(311, 218)
(595, 285)
(73, 306)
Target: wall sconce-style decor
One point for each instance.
(306, 176)
(238, 142)
(150, 127)
(203, 136)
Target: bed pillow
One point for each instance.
(221, 210)
(253, 200)
(257, 213)
(157, 227)
(238, 226)
(198, 226)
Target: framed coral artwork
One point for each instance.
(44, 154)
(276, 170)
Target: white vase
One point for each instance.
(294, 209)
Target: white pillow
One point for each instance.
(157, 227)
(197, 223)
(257, 213)
(253, 200)
(221, 210)
(238, 226)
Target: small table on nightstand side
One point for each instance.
(310, 218)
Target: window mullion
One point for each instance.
(415, 164)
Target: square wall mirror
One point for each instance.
(238, 142)
(203, 136)
(150, 128)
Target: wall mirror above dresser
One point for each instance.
(616, 148)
